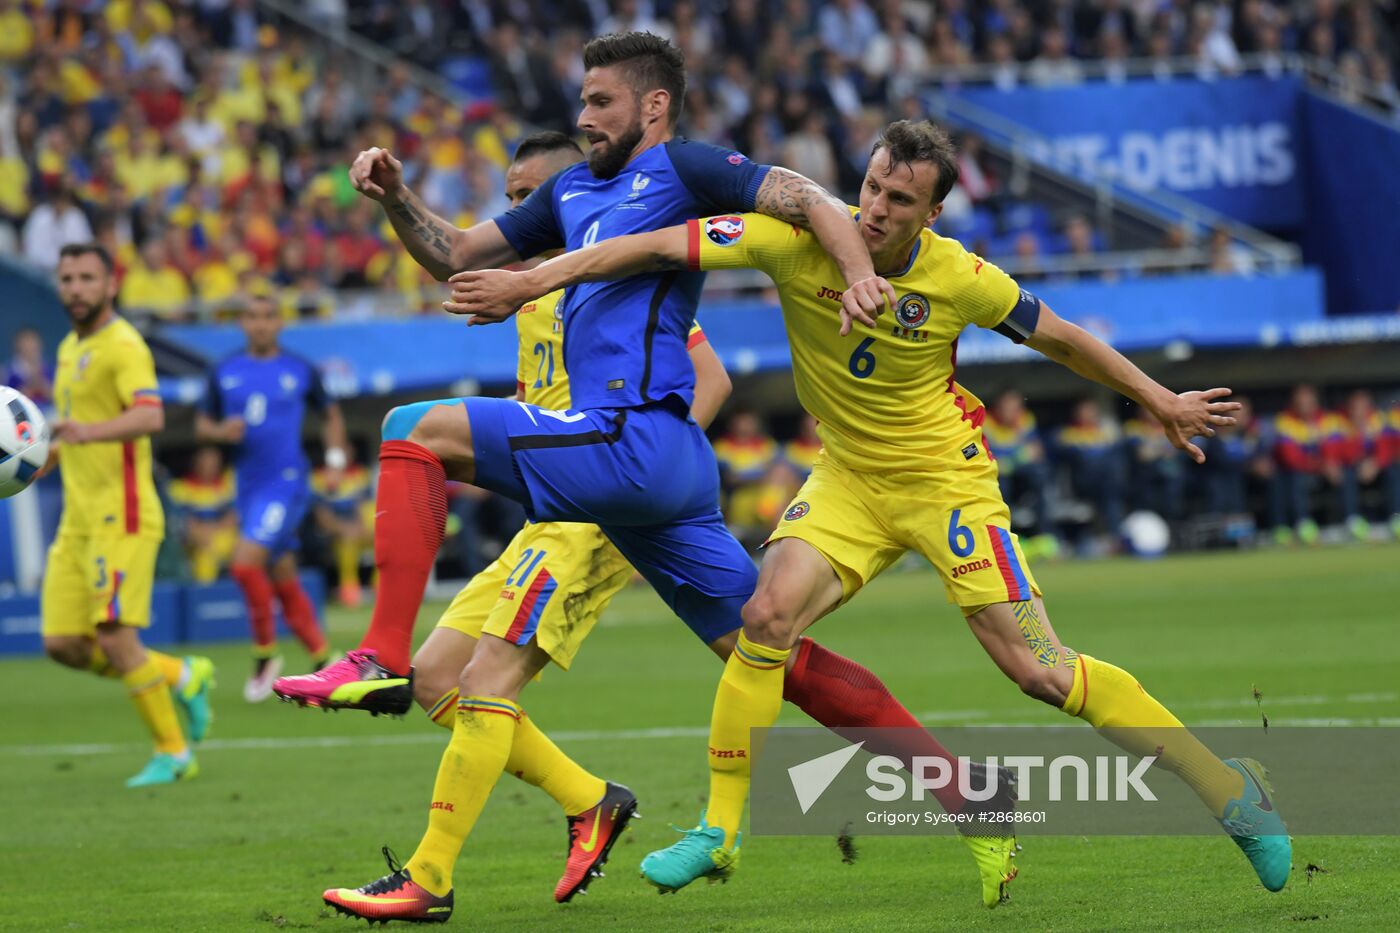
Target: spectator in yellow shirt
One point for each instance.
(16, 33)
(154, 284)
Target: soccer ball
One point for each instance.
(24, 442)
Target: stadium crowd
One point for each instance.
(207, 147)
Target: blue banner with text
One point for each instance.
(1229, 144)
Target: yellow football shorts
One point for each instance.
(864, 522)
(551, 584)
(97, 579)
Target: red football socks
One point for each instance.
(300, 615)
(410, 514)
(257, 593)
(841, 694)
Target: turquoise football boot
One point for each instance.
(193, 697)
(700, 853)
(165, 769)
(1256, 827)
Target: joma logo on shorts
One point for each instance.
(976, 565)
(508, 594)
(728, 752)
(831, 293)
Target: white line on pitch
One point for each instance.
(948, 718)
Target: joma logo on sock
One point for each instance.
(443, 805)
(728, 752)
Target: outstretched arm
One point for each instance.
(435, 244)
(493, 295)
(797, 199)
(1184, 416)
(712, 383)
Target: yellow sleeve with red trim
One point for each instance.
(984, 295)
(136, 374)
(749, 241)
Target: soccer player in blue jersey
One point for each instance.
(626, 456)
(256, 401)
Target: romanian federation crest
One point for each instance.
(797, 510)
(912, 311)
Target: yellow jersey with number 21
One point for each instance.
(886, 398)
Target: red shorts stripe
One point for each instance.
(1013, 592)
(527, 605)
(114, 605)
(130, 497)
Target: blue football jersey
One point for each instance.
(625, 341)
(271, 396)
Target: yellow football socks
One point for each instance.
(471, 764)
(171, 667)
(1112, 701)
(749, 696)
(444, 711)
(536, 760)
(150, 692)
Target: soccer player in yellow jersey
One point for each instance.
(536, 604)
(905, 467)
(97, 583)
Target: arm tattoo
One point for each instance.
(1037, 639)
(427, 237)
(789, 196)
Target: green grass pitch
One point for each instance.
(293, 801)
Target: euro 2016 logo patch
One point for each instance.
(724, 231)
(912, 311)
(796, 510)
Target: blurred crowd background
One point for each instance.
(205, 143)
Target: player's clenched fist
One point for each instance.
(376, 174)
(489, 295)
(863, 301)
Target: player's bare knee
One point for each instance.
(431, 680)
(1043, 683)
(768, 622)
(70, 652)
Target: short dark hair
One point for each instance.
(544, 143)
(649, 62)
(71, 250)
(908, 141)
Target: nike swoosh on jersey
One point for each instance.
(571, 194)
(593, 836)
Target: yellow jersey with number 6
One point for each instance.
(107, 487)
(885, 399)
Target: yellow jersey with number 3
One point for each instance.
(540, 377)
(884, 398)
(107, 487)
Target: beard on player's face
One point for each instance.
(607, 156)
(82, 312)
